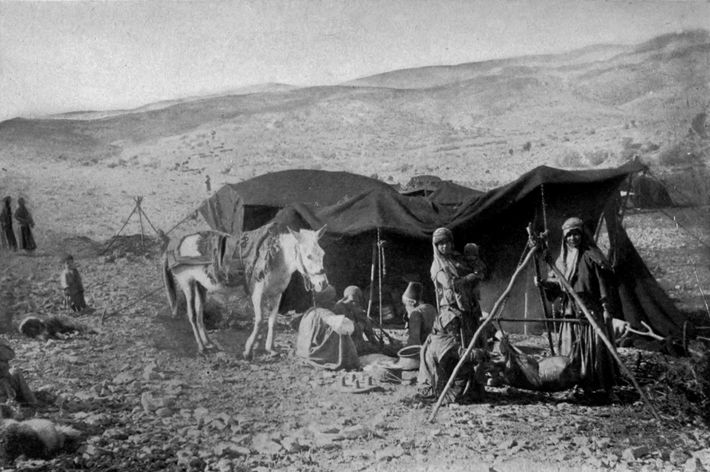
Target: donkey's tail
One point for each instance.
(169, 282)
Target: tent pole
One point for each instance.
(494, 313)
(140, 217)
(602, 336)
(119, 231)
(372, 279)
(379, 273)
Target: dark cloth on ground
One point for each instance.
(321, 345)
(14, 387)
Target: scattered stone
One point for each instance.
(124, 378)
(148, 402)
(292, 444)
(200, 412)
(633, 453)
(678, 456)
(228, 448)
(388, 453)
(694, 465)
(149, 373)
(224, 465)
(164, 412)
(508, 444)
(353, 432)
(263, 443)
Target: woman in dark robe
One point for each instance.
(24, 219)
(592, 278)
(7, 235)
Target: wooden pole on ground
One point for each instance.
(610, 347)
(494, 313)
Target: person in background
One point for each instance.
(72, 286)
(420, 316)
(591, 276)
(7, 234)
(13, 387)
(351, 305)
(323, 338)
(24, 219)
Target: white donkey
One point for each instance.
(262, 261)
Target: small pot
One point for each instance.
(408, 357)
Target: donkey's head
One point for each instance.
(309, 257)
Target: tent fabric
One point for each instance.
(647, 192)
(252, 203)
(497, 221)
(443, 192)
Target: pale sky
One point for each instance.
(78, 55)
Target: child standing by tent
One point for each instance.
(72, 286)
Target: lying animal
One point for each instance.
(36, 438)
(551, 374)
(53, 327)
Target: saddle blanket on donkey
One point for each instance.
(232, 260)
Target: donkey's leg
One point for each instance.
(271, 306)
(256, 303)
(190, 295)
(200, 299)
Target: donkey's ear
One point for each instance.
(321, 231)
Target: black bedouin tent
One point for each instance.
(497, 221)
(252, 203)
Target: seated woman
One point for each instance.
(351, 305)
(324, 338)
(439, 356)
(420, 316)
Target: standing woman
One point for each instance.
(455, 283)
(24, 218)
(7, 235)
(591, 276)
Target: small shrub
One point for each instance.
(527, 146)
(570, 158)
(675, 154)
(597, 157)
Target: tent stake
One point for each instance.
(602, 336)
(494, 312)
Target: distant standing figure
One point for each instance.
(72, 286)
(208, 184)
(7, 235)
(24, 218)
(420, 316)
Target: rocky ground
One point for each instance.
(145, 401)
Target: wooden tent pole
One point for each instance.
(494, 312)
(372, 280)
(610, 347)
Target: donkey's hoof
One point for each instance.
(271, 354)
